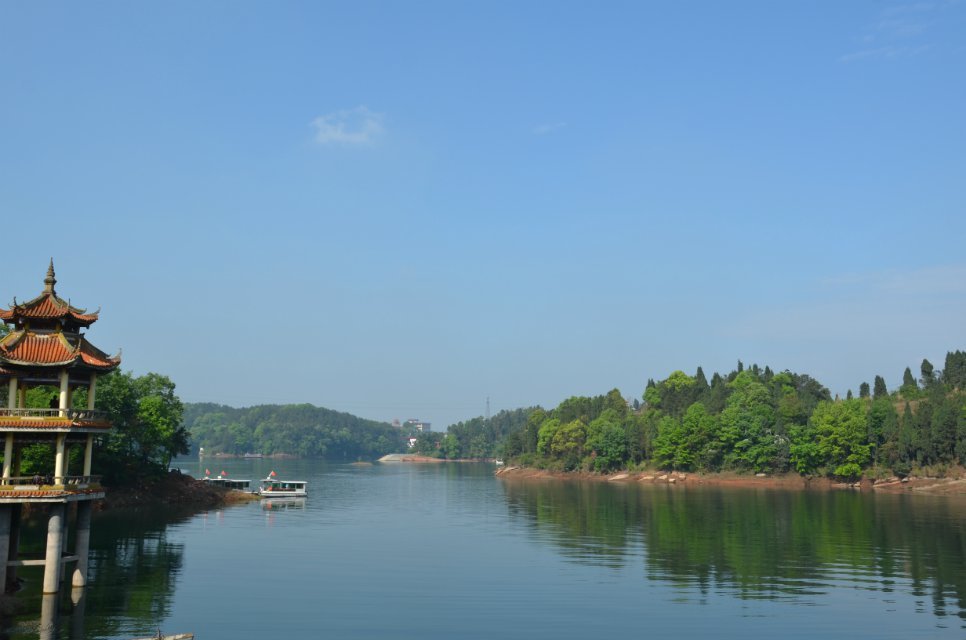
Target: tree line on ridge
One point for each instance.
(750, 420)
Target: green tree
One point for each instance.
(148, 425)
(702, 437)
(747, 426)
(961, 436)
(607, 441)
(909, 388)
(568, 443)
(928, 374)
(450, 447)
(652, 396)
(546, 435)
(954, 373)
(840, 434)
(670, 450)
(864, 390)
(678, 392)
(883, 429)
(718, 395)
(879, 389)
(944, 424)
(805, 455)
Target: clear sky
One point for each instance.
(399, 209)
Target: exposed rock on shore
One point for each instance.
(946, 486)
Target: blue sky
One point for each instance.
(401, 209)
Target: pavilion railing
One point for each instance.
(28, 483)
(94, 415)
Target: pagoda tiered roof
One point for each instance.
(26, 348)
(47, 308)
(46, 334)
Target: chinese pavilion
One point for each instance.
(45, 346)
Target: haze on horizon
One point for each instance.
(401, 210)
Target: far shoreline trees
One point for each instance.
(751, 420)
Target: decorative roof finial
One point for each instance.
(50, 280)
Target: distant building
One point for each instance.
(415, 424)
(412, 442)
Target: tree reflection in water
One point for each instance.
(754, 543)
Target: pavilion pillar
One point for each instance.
(17, 457)
(6, 513)
(91, 390)
(55, 545)
(88, 454)
(82, 542)
(12, 393)
(7, 458)
(60, 458)
(64, 392)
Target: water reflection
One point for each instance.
(283, 504)
(129, 548)
(758, 544)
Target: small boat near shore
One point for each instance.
(272, 487)
(224, 482)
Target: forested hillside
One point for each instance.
(749, 420)
(300, 429)
(477, 438)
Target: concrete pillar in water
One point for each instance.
(55, 532)
(14, 551)
(63, 542)
(48, 618)
(79, 598)
(6, 513)
(82, 542)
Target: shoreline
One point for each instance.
(174, 490)
(792, 481)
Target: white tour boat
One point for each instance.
(225, 482)
(272, 487)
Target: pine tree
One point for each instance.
(928, 374)
(908, 382)
(907, 449)
(701, 381)
(864, 390)
(879, 390)
(954, 373)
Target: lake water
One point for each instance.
(450, 551)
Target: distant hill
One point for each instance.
(302, 430)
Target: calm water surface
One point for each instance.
(450, 551)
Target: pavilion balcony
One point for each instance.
(10, 487)
(75, 415)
